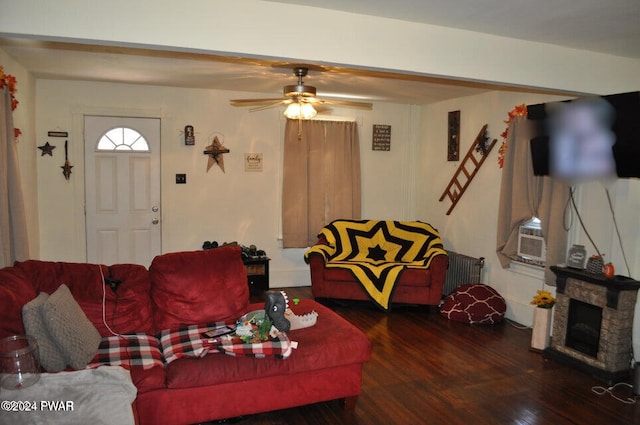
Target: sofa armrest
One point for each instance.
(438, 269)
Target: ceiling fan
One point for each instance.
(300, 99)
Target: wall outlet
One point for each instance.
(181, 179)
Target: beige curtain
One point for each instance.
(523, 196)
(321, 179)
(13, 226)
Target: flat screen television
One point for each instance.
(588, 138)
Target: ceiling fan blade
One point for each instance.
(320, 108)
(271, 105)
(254, 102)
(348, 103)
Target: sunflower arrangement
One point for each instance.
(543, 299)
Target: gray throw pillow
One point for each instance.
(51, 358)
(73, 333)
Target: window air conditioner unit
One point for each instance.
(531, 244)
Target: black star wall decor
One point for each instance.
(47, 149)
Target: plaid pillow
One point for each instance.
(141, 350)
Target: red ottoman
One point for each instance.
(474, 303)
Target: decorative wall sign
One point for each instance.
(58, 134)
(381, 137)
(215, 151)
(253, 162)
(47, 149)
(189, 135)
(453, 140)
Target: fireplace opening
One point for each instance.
(583, 327)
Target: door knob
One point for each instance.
(154, 208)
(155, 221)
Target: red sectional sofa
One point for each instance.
(195, 288)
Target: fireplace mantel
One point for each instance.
(605, 349)
(613, 285)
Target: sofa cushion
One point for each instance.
(198, 287)
(82, 279)
(69, 327)
(474, 303)
(51, 358)
(15, 291)
(126, 311)
(332, 342)
(409, 277)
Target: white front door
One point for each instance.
(122, 184)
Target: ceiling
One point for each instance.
(611, 27)
(607, 26)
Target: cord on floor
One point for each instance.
(602, 391)
(516, 324)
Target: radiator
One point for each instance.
(462, 269)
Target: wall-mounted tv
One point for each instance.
(588, 138)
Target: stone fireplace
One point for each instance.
(592, 323)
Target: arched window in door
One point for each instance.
(123, 139)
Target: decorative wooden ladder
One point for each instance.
(461, 179)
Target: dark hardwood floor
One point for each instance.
(426, 369)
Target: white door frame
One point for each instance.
(79, 237)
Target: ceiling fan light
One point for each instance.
(297, 111)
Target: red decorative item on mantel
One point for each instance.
(11, 82)
(609, 270)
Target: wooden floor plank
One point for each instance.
(426, 369)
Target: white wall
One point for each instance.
(24, 117)
(471, 227)
(233, 206)
(270, 29)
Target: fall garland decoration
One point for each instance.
(11, 82)
(518, 111)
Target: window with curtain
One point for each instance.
(523, 196)
(321, 178)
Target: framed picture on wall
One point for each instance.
(453, 139)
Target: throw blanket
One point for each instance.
(376, 252)
(101, 396)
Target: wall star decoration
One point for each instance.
(215, 151)
(47, 149)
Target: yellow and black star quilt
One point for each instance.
(376, 252)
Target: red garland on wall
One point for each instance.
(11, 82)
(518, 111)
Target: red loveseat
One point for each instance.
(195, 288)
(353, 240)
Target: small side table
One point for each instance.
(257, 273)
